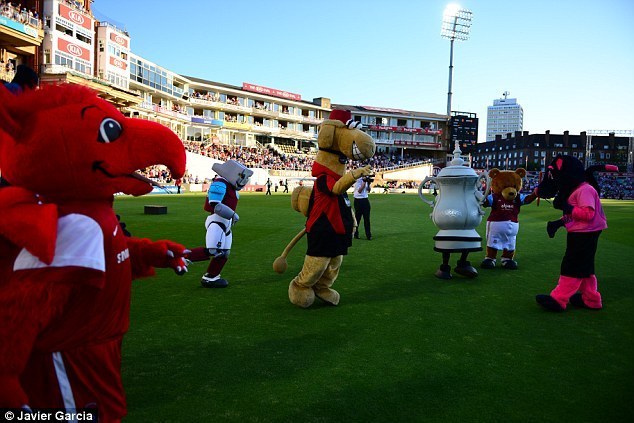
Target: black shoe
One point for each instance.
(509, 264)
(208, 282)
(356, 236)
(488, 263)
(548, 302)
(465, 269)
(577, 301)
(369, 237)
(444, 272)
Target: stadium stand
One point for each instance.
(287, 158)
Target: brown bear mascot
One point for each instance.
(505, 201)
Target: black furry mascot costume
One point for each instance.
(576, 193)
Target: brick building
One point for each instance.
(534, 151)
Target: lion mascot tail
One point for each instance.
(300, 198)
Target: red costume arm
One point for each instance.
(145, 255)
(28, 222)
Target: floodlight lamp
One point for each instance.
(450, 11)
(456, 23)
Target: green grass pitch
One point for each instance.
(402, 346)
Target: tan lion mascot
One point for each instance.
(330, 222)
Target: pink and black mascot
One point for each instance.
(576, 193)
(66, 266)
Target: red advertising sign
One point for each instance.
(74, 49)
(75, 16)
(417, 144)
(119, 63)
(119, 39)
(405, 129)
(270, 91)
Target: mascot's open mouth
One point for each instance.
(356, 153)
(97, 166)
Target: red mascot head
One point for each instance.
(66, 143)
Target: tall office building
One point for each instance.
(504, 117)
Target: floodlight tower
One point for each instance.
(456, 25)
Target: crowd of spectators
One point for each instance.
(17, 12)
(382, 161)
(269, 158)
(265, 158)
(612, 186)
(617, 187)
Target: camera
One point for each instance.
(368, 179)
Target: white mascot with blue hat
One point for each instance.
(221, 203)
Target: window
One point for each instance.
(401, 122)
(83, 38)
(65, 30)
(63, 60)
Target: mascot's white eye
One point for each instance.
(109, 130)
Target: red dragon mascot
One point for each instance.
(66, 266)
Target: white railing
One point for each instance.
(405, 166)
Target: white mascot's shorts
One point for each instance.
(219, 234)
(502, 235)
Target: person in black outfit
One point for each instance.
(362, 206)
(268, 186)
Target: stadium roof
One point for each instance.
(239, 88)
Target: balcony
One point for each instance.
(264, 112)
(288, 116)
(207, 121)
(237, 125)
(6, 75)
(262, 129)
(165, 111)
(19, 29)
(52, 69)
(221, 106)
(426, 131)
(310, 119)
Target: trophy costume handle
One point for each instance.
(420, 190)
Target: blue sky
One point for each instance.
(570, 64)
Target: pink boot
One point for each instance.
(589, 297)
(566, 288)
